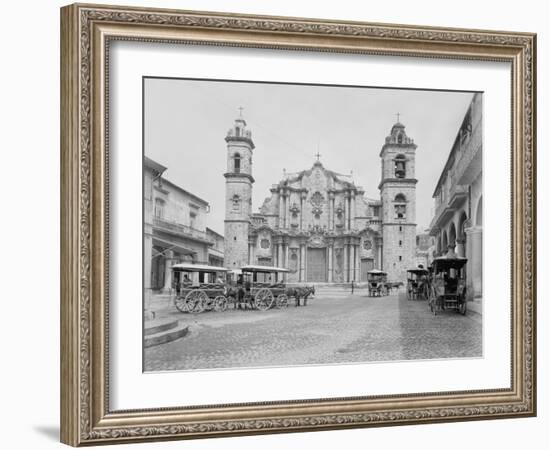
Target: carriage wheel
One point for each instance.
(196, 301)
(220, 303)
(282, 301)
(181, 304)
(263, 299)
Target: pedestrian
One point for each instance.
(352, 287)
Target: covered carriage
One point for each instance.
(417, 284)
(260, 287)
(199, 287)
(447, 289)
(376, 280)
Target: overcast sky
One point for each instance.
(186, 122)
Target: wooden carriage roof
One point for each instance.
(198, 268)
(254, 268)
(377, 272)
(417, 270)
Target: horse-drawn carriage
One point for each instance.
(259, 287)
(199, 288)
(264, 287)
(377, 280)
(447, 288)
(417, 284)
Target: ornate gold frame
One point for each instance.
(86, 31)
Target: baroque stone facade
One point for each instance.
(318, 223)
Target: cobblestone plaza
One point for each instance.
(335, 327)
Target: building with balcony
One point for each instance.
(174, 229)
(457, 224)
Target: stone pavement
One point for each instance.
(331, 329)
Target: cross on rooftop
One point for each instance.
(398, 114)
(240, 108)
(318, 155)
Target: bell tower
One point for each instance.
(398, 196)
(238, 193)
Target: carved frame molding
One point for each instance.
(86, 31)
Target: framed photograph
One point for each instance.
(276, 224)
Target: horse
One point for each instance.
(300, 292)
(394, 285)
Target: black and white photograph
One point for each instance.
(299, 224)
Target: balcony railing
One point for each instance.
(457, 194)
(184, 230)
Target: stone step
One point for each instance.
(166, 336)
(158, 326)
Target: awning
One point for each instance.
(172, 246)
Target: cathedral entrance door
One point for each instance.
(366, 265)
(317, 265)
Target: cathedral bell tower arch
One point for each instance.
(398, 196)
(238, 193)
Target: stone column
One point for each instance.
(287, 210)
(280, 258)
(302, 197)
(287, 251)
(346, 263)
(281, 209)
(353, 255)
(330, 210)
(379, 253)
(302, 262)
(460, 247)
(346, 211)
(330, 264)
(357, 264)
(352, 218)
(333, 212)
(251, 252)
(475, 260)
(305, 263)
(168, 260)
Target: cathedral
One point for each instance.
(318, 223)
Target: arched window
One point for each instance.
(400, 166)
(400, 205)
(237, 163)
(400, 198)
(400, 138)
